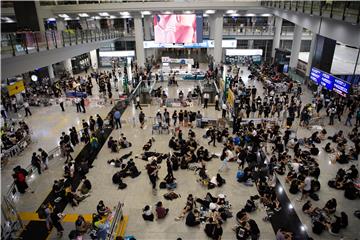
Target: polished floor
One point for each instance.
(48, 123)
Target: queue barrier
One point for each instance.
(15, 150)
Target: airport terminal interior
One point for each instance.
(180, 119)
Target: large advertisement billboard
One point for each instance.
(178, 28)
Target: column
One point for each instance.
(211, 21)
(295, 47)
(250, 44)
(51, 73)
(139, 38)
(125, 26)
(40, 17)
(94, 59)
(218, 27)
(311, 54)
(276, 41)
(68, 66)
(147, 27)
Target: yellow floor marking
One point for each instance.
(125, 221)
(30, 216)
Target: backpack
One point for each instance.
(332, 183)
(41, 213)
(21, 177)
(162, 185)
(171, 196)
(250, 206)
(240, 175)
(314, 196)
(318, 227)
(294, 188)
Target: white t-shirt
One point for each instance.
(26, 104)
(224, 107)
(216, 98)
(295, 166)
(307, 183)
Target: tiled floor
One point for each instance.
(139, 193)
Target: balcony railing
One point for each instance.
(348, 11)
(21, 43)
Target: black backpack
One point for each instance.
(314, 196)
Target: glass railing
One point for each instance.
(348, 11)
(21, 43)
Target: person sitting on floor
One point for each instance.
(85, 186)
(330, 206)
(328, 148)
(161, 212)
(102, 210)
(147, 145)
(148, 214)
(123, 142)
(110, 142)
(193, 218)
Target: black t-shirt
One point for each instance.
(306, 206)
(191, 220)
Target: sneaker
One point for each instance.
(177, 219)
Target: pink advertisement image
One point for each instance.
(180, 28)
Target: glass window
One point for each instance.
(316, 8)
(326, 8)
(338, 10)
(307, 7)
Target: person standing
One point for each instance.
(141, 119)
(19, 176)
(82, 103)
(13, 104)
(348, 119)
(77, 103)
(174, 117)
(35, 162)
(44, 158)
(117, 116)
(27, 109)
(61, 103)
(212, 136)
(217, 102)
(167, 117)
(138, 102)
(99, 121)
(227, 156)
(206, 100)
(56, 217)
(224, 108)
(152, 170)
(92, 123)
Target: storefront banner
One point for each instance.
(244, 52)
(117, 54)
(177, 60)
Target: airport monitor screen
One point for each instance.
(178, 28)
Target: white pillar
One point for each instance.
(125, 26)
(295, 47)
(139, 38)
(94, 59)
(147, 27)
(97, 24)
(276, 41)
(51, 73)
(250, 43)
(311, 53)
(211, 21)
(218, 27)
(40, 17)
(68, 66)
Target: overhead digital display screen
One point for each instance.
(178, 28)
(329, 81)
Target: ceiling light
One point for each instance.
(210, 11)
(67, 18)
(124, 13)
(146, 13)
(104, 14)
(266, 15)
(51, 19)
(83, 15)
(64, 15)
(112, 17)
(187, 12)
(96, 17)
(250, 15)
(231, 11)
(126, 16)
(167, 12)
(205, 15)
(235, 15)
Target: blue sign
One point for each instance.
(329, 81)
(315, 75)
(341, 87)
